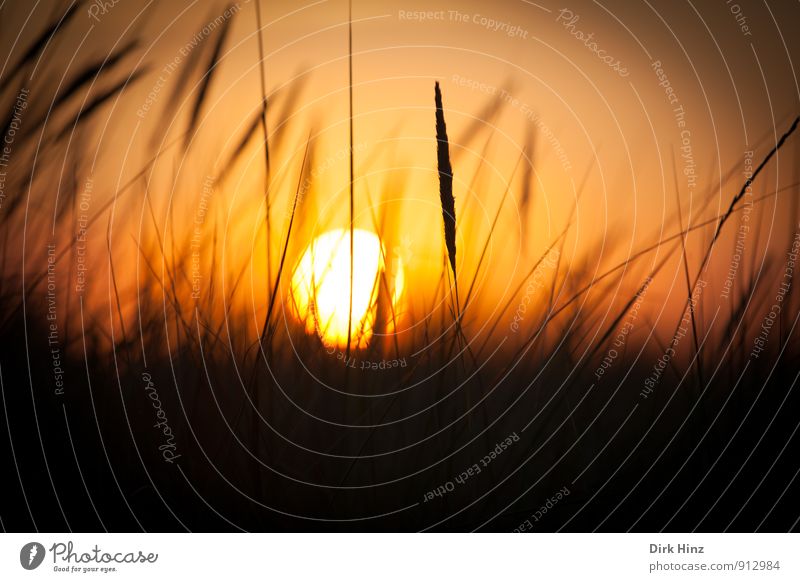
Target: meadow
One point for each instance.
(215, 339)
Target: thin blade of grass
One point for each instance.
(274, 292)
(87, 112)
(352, 197)
(40, 43)
(491, 231)
(686, 274)
(445, 182)
(526, 195)
(208, 77)
(750, 180)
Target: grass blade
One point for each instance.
(446, 185)
(205, 82)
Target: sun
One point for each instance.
(320, 288)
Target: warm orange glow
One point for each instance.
(321, 286)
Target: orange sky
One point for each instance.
(735, 86)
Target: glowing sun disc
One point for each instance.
(321, 286)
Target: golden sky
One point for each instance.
(607, 91)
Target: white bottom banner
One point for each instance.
(401, 557)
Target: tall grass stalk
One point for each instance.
(265, 131)
(446, 189)
(685, 261)
(352, 197)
